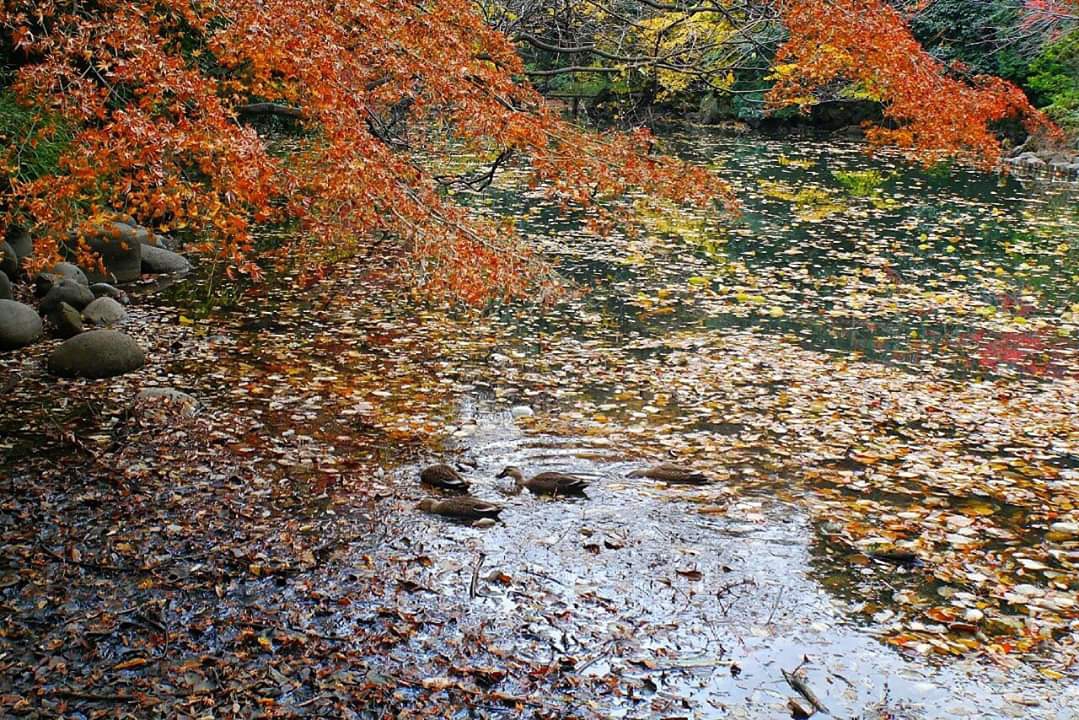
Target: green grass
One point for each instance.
(34, 139)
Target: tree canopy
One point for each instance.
(141, 108)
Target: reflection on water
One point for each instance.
(737, 344)
(951, 267)
(684, 600)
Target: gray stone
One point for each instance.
(159, 396)
(106, 290)
(9, 261)
(166, 241)
(97, 354)
(73, 293)
(104, 311)
(19, 325)
(159, 260)
(60, 271)
(1030, 160)
(19, 240)
(119, 246)
(65, 321)
(5, 287)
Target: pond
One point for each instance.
(877, 362)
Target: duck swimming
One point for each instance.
(672, 474)
(546, 483)
(445, 477)
(463, 507)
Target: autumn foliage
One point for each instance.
(155, 93)
(153, 100)
(933, 110)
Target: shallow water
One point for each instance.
(686, 612)
(891, 368)
(938, 286)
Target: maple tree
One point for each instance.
(152, 100)
(934, 110)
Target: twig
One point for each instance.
(475, 576)
(599, 656)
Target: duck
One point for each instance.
(445, 477)
(546, 483)
(672, 474)
(462, 507)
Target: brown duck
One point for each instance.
(445, 477)
(463, 507)
(672, 474)
(546, 483)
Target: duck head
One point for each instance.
(514, 472)
(427, 504)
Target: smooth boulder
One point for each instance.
(65, 321)
(97, 354)
(104, 311)
(19, 240)
(156, 260)
(105, 290)
(5, 287)
(9, 261)
(71, 292)
(119, 246)
(19, 325)
(60, 271)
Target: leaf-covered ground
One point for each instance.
(880, 372)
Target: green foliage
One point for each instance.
(974, 32)
(860, 183)
(33, 138)
(1054, 80)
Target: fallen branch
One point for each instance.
(799, 685)
(267, 108)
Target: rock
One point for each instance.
(73, 293)
(159, 396)
(119, 246)
(19, 240)
(5, 286)
(65, 321)
(19, 325)
(519, 411)
(104, 311)
(60, 271)
(97, 354)
(165, 241)
(159, 260)
(105, 290)
(9, 261)
(1030, 160)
